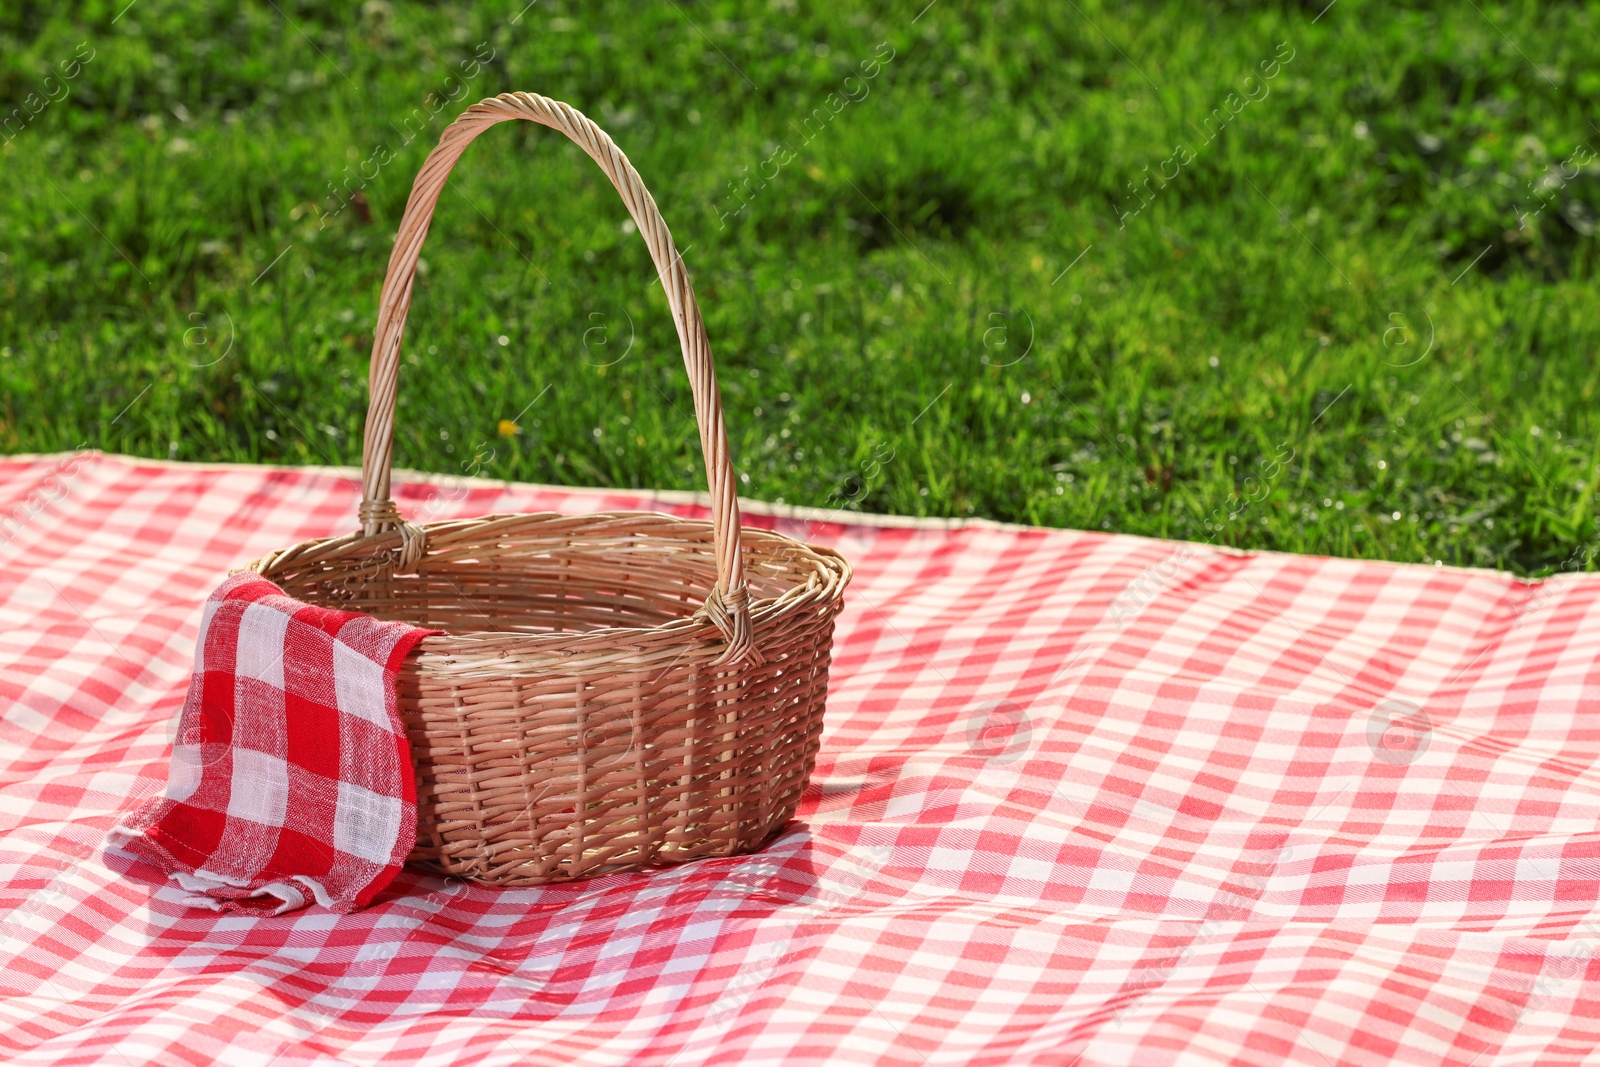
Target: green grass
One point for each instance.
(1360, 320)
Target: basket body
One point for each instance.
(574, 719)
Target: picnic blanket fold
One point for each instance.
(291, 776)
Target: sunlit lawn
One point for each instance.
(1225, 272)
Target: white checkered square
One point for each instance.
(260, 787)
(260, 656)
(365, 823)
(359, 685)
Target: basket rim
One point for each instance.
(468, 649)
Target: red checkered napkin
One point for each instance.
(291, 773)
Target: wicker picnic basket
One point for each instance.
(612, 690)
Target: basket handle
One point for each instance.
(728, 605)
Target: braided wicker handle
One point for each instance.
(728, 605)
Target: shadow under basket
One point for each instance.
(573, 720)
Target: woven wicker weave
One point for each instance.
(612, 690)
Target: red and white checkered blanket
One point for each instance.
(1081, 799)
(291, 774)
